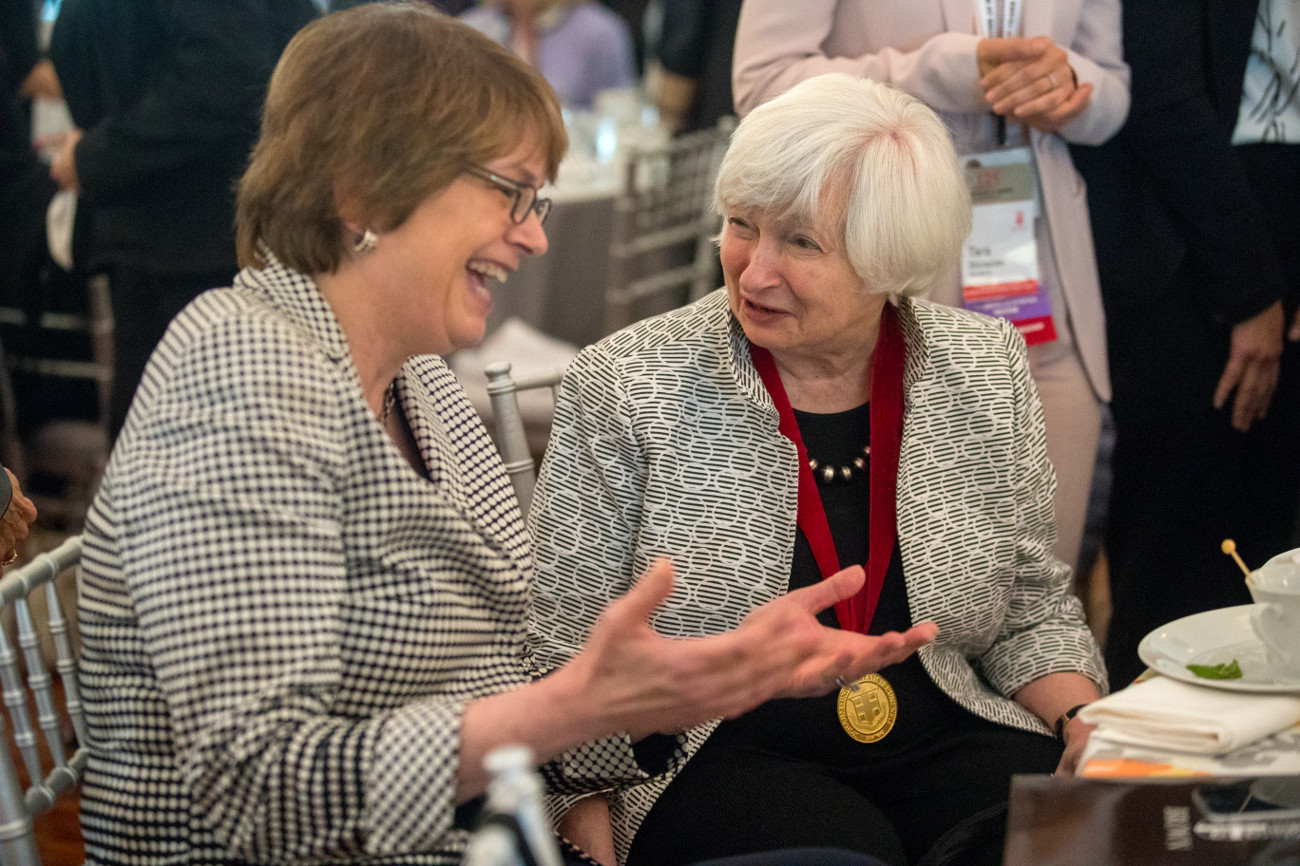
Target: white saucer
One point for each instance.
(1213, 638)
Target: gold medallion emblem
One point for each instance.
(868, 709)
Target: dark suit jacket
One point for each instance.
(169, 93)
(18, 48)
(1169, 187)
(696, 41)
(25, 184)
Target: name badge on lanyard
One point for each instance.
(998, 17)
(999, 264)
(993, 19)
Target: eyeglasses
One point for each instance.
(526, 198)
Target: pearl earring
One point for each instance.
(365, 242)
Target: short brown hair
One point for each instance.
(384, 103)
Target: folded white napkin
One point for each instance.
(59, 218)
(1166, 714)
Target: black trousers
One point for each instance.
(1182, 478)
(730, 801)
(144, 303)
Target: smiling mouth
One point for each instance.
(487, 269)
(760, 308)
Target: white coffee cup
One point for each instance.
(1275, 586)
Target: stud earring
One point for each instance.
(365, 242)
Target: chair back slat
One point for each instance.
(39, 681)
(15, 701)
(66, 662)
(18, 807)
(17, 829)
(664, 224)
(508, 424)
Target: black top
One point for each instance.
(809, 729)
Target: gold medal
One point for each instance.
(868, 709)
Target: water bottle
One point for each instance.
(514, 800)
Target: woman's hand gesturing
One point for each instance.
(649, 683)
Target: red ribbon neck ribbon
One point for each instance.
(855, 612)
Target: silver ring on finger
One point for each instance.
(839, 681)
(1051, 79)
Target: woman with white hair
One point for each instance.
(812, 414)
(1015, 82)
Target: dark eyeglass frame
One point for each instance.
(527, 199)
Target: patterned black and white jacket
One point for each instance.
(282, 621)
(666, 444)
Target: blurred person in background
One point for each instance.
(579, 46)
(165, 97)
(694, 48)
(25, 185)
(451, 7)
(26, 69)
(1196, 211)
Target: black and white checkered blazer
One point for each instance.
(282, 621)
(665, 443)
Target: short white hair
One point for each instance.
(881, 159)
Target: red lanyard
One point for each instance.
(854, 613)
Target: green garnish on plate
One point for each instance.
(1229, 671)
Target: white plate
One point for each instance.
(1213, 638)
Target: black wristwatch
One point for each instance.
(1064, 720)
